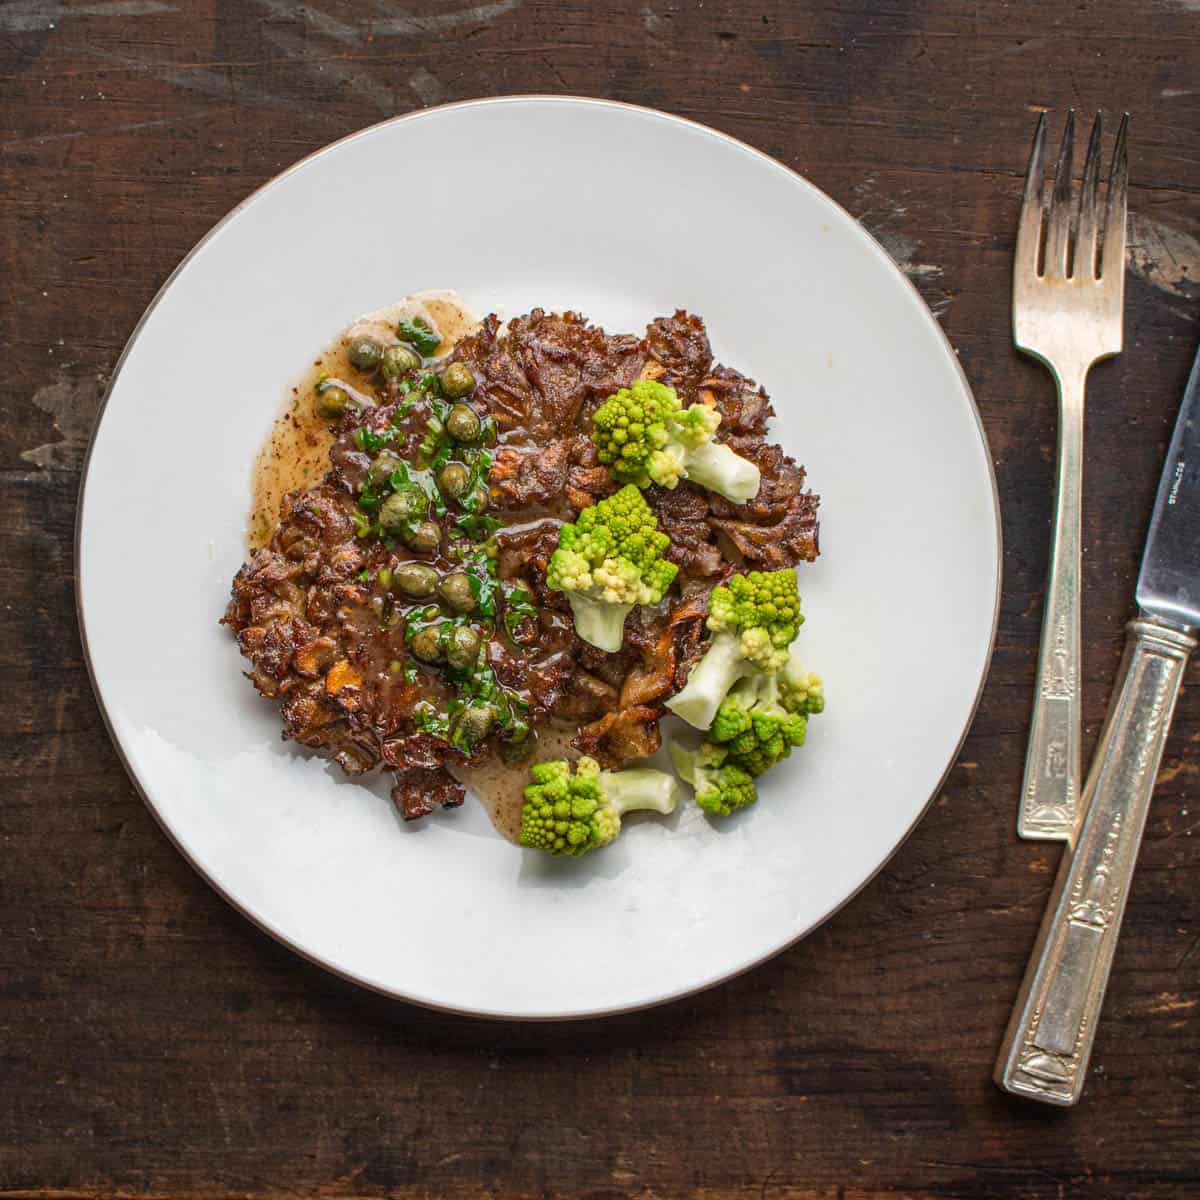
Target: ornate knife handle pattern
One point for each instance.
(1049, 1039)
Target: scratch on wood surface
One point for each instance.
(72, 403)
(1168, 259)
(357, 78)
(198, 78)
(318, 21)
(405, 24)
(1173, 770)
(428, 86)
(1170, 1002)
(399, 24)
(1187, 954)
(29, 16)
(130, 127)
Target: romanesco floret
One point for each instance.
(609, 560)
(721, 787)
(757, 724)
(645, 435)
(572, 813)
(801, 691)
(754, 619)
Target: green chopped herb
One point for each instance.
(474, 523)
(436, 445)
(369, 496)
(477, 527)
(364, 576)
(428, 719)
(419, 334)
(518, 607)
(371, 442)
(483, 588)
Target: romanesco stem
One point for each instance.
(636, 788)
(720, 668)
(716, 467)
(600, 623)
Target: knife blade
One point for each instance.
(1168, 587)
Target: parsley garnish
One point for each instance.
(371, 442)
(476, 526)
(419, 334)
(518, 607)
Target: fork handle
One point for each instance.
(1049, 1039)
(1053, 771)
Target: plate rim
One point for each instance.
(279, 935)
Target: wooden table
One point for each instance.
(154, 1043)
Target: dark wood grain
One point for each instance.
(153, 1043)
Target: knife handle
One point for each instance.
(1049, 1039)
(1053, 759)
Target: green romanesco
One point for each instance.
(645, 435)
(610, 559)
(765, 715)
(720, 785)
(759, 722)
(572, 813)
(801, 691)
(754, 618)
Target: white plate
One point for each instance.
(624, 214)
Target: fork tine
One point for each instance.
(1059, 235)
(1029, 230)
(1089, 210)
(1114, 216)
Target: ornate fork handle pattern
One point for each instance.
(1053, 770)
(1049, 1040)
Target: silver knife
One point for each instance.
(1049, 1039)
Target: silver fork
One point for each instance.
(1067, 314)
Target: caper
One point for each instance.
(384, 463)
(463, 647)
(384, 578)
(476, 721)
(365, 353)
(395, 667)
(401, 509)
(457, 380)
(426, 538)
(427, 644)
(455, 589)
(462, 423)
(519, 750)
(452, 479)
(397, 361)
(330, 402)
(416, 580)
(480, 499)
